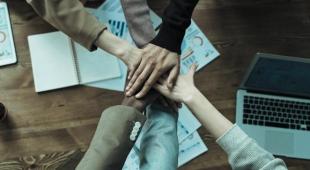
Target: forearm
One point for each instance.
(112, 140)
(245, 154)
(176, 19)
(138, 20)
(231, 138)
(113, 44)
(208, 115)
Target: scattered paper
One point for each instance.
(190, 148)
(117, 25)
(196, 48)
(187, 123)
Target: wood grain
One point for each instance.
(62, 122)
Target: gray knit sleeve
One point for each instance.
(245, 154)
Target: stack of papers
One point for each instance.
(196, 48)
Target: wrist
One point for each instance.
(126, 53)
(169, 37)
(132, 103)
(112, 44)
(191, 95)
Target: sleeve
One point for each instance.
(139, 21)
(159, 137)
(176, 19)
(70, 17)
(245, 154)
(112, 140)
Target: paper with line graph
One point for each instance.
(196, 48)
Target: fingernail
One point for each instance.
(127, 88)
(138, 95)
(128, 93)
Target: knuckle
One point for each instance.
(133, 78)
(147, 85)
(138, 72)
(159, 70)
(135, 64)
(140, 80)
(152, 63)
(152, 60)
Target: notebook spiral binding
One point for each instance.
(75, 60)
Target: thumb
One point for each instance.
(172, 78)
(161, 89)
(192, 70)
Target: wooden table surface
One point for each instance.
(65, 120)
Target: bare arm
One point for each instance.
(243, 152)
(185, 91)
(208, 115)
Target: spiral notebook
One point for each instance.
(57, 62)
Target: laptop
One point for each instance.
(273, 104)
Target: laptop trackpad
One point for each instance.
(279, 142)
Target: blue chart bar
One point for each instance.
(117, 27)
(122, 29)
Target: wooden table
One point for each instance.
(64, 120)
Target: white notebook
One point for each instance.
(57, 62)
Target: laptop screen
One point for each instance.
(280, 76)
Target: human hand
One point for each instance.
(155, 62)
(183, 89)
(132, 58)
(141, 103)
(120, 48)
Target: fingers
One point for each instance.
(162, 80)
(149, 83)
(172, 78)
(132, 69)
(140, 80)
(136, 75)
(162, 89)
(130, 74)
(192, 70)
(156, 73)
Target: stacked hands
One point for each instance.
(154, 63)
(155, 67)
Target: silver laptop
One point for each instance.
(273, 104)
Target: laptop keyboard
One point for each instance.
(276, 113)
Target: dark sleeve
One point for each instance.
(176, 19)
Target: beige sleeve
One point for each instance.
(111, 143)
(70, 17)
